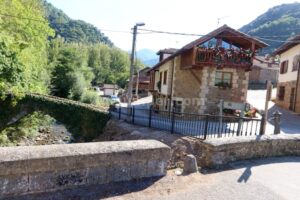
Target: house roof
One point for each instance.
(289, 44)
(167, 51)
(227, 34)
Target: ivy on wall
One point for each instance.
(85, 121)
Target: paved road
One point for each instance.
(290, 123)
(267, 179)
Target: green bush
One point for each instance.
(90, 97)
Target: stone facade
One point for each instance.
(286, 101)
(35, 169)
(198, 93)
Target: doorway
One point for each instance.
(292, 99)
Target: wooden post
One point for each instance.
(221, 115)
(268, 98)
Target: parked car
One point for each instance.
(115, 99)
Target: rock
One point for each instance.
(178, 172)
(190, 164)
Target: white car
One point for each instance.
(115, 99)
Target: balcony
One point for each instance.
(223, 57)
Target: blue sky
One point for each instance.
(188, 16)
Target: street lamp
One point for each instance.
(132, 62)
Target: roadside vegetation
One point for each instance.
(44, 51)
(26, 127)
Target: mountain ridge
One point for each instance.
(275, 26)
(71, 30)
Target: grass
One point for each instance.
(26, 127)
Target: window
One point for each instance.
(281, 93)
(160, 76)
(177, 106)
(165, 77)
(284, 67)
(296, 63)
(223, 79)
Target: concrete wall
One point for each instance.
(35, 169)
(219, 152)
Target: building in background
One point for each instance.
(143, 77)
(288, 87)
(264, 69)
(110, 89)
(196, 77)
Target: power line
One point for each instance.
(201, 35)
(27, 18)
(171, 33)
(116, 31)
(149, 31)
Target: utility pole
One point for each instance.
(132, 63)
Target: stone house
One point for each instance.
(196, 77)
(288, 87)
(264, 69)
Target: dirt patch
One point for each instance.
(116, 130)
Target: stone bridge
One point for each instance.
(85, 121)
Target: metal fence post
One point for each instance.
(206, 127)
(150, 116)
(262, 125)
(120, 110)
(172, 121)
(133, 113)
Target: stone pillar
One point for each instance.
(190, 164)
(276, 119)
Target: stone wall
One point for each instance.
(237, 93)
(219, 152)
(36, 169)
(285, 103)
(186, 87)
(198, 93)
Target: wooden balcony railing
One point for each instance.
(224, 57)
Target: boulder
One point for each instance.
(190, 164)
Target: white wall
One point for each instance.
(109, 91)
(289, 55)
(163, 68)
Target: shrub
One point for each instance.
(90, 97)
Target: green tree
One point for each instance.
(25, 32)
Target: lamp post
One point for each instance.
(132, 63)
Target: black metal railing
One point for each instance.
(195, 125)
